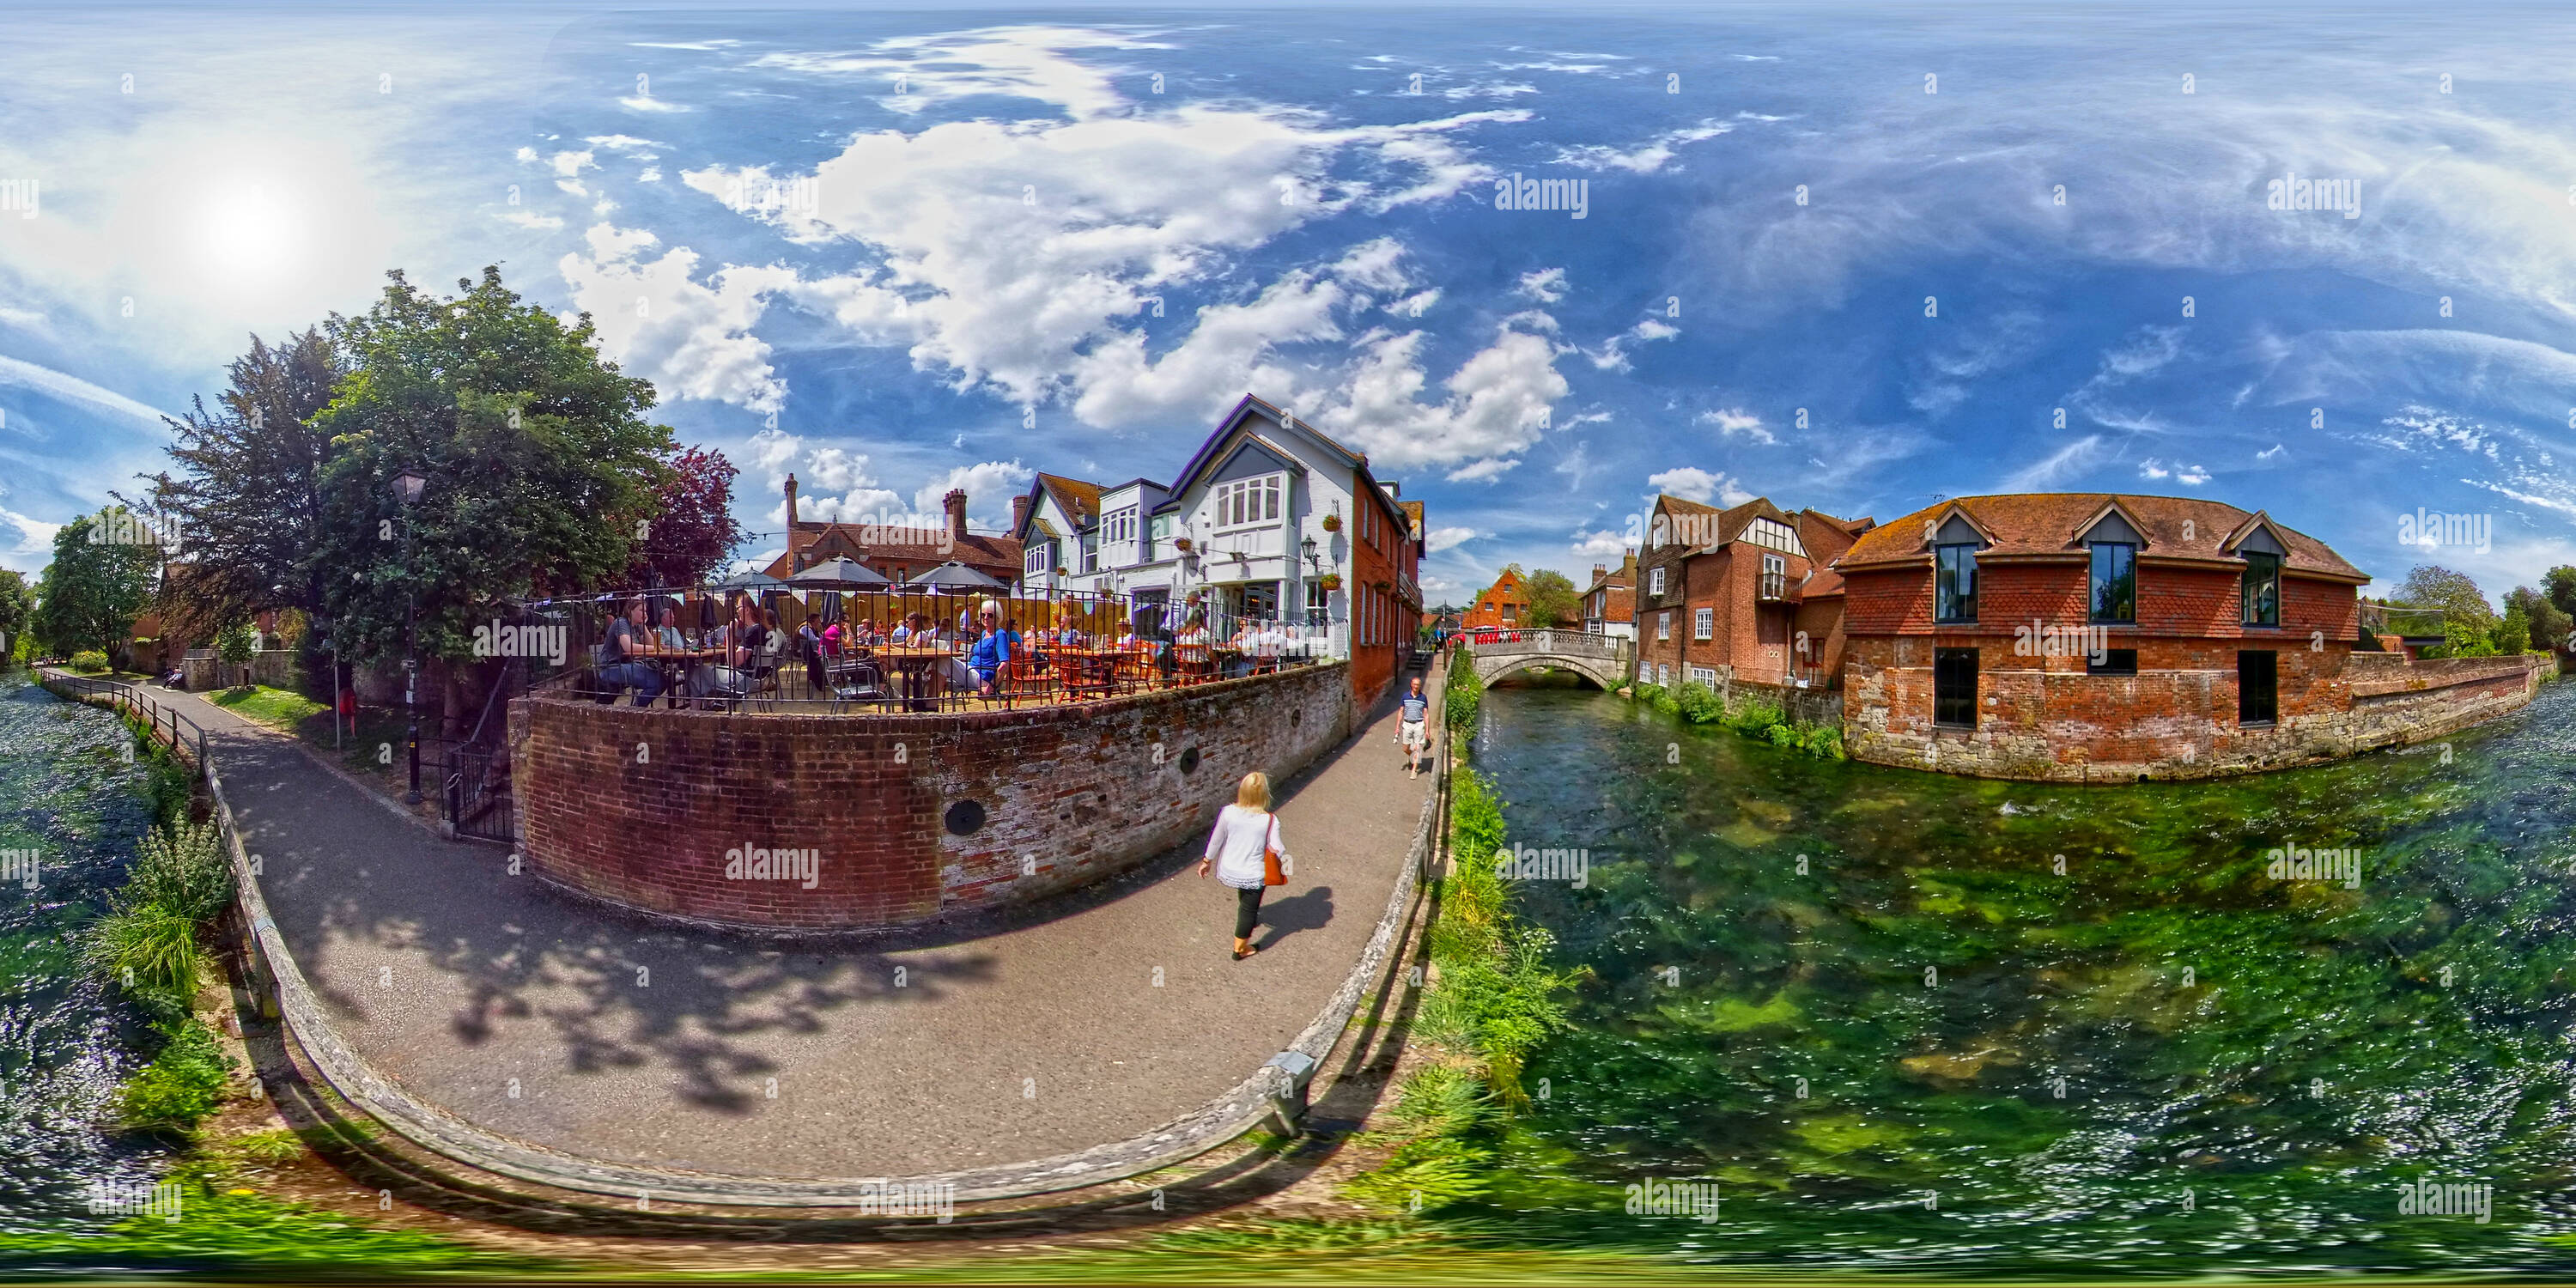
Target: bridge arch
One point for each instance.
(1502, 668)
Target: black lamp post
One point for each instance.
(407, 489)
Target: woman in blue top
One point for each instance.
(992, 651)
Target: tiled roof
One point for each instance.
(2047, 523)
(1825, 538)
(1073, 496)
(975, 550)
(1413, 511)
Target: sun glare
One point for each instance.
(249, 231)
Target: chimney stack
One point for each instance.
(791, 509)
(1019, 513)
(956, 503)
(1599, 571)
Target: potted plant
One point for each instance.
(1332, 523)
(1181, 544)
(1331, 581)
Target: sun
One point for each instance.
(247, 231)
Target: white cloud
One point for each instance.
(1695, 484)
(1646, 158)
(1492, 410)
(691, 340)
(1546, 285)
(1613, 353)
(72, 389)
(1488, 470)
(1605, 544)
(1439, 539)
(2056, 467)
(989, 489)
(531, 219)
(624, 143)
(1732, 422)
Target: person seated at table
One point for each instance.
(809, 643)
(622, 654)
(832, 640)
(863, 636)
(731, 674)
(992, 651)
(667, 632)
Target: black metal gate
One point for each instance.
(477, 797)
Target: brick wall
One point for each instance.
(1069, 795)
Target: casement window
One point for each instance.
(1663, 673)
(2115, 582)
(1954, 687)
(1704, 675)
(1118, 531)
(1775, 577)
(1703, 623)
(1319, 604)
(1954, 590)
(2115, 661)
(1247, 501)
(1664, 625)
(1091, 551)
(1041, 557)
(1655, 580)
(2258, 687)
(2262, 589)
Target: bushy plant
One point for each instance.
(1466, 691)
(149, 949)
(1754, 718)
(1698, 703)
(181, 1086)
(90, 661)
(182, 868)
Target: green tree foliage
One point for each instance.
(2549, 625)
(2468, 620)
(247, 497)
(540, 461)
(2513, 632)
(1553, 599)
(89, 596)
(233, 646)
(17, 604)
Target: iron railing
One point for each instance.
(164, 725)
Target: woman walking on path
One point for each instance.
(1243, 830)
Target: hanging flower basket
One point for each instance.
(1181, 544)
(1332, 523)
(1331, 581)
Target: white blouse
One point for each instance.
(1236, 845)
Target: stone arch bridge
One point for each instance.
(1607, 661)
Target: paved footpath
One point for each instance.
(533, 1016)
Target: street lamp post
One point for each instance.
(407, 489)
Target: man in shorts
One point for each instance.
(1413, 730)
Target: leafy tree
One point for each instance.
(89, 596)
(696, 530)
(17, 608)
(247, 497)
(2513, 632)
(1553, 599)
(2468, 621)
(2560, 584)
(233, 646)
(539, 458)
(2550, 625)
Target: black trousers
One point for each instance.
(1247, 911)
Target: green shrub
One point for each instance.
(1824, 742)
(1782, 736)
(1646, 692)
(1754, 717)
(148, 949)
(1698, 703)
(181, 1086)
(182, 868)
(1466, 691)
(89, 660)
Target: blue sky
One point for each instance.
(897, 252)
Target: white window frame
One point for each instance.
(1655, 580)
(1703, 623)
(1258, 495)
(1664, 625)
(1037, 561)
(1664, 674)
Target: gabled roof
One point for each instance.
(2111, 506)
(1623, 575)
(2047, 524)
(1073, 496)
(1826, 538)
(1208, 456)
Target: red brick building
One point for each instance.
(896, 551)
(1610, 602)
(2096, 636)
(1501, 607)
(1744, 595)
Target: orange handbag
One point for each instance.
(1271, 873)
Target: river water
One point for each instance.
(68, 793)
(1849, 994)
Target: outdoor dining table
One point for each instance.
(914, 663)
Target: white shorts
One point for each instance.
(1414, 734)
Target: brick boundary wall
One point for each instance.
(910, 817)
(2093, 729)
